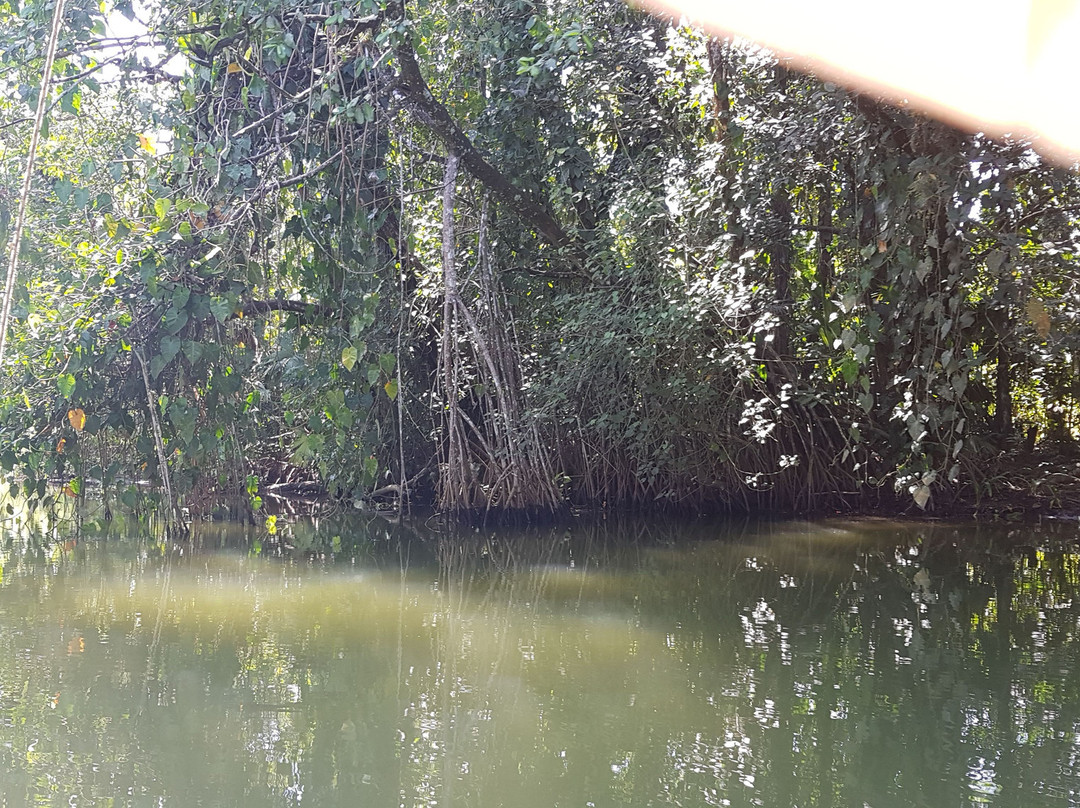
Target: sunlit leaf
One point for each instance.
(348, 357)
(77, 419)
(65, 382)
(1040, 319)
(921, 495)
(147, 144)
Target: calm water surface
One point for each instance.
(797, 664)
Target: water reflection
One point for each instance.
(862, 664)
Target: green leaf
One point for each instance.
(175, 319)
(162, 207)
(307, 447)
(335, 400)
(180, 296)
(850, 369)
(192, 350)
(371, 467)
(221, 308)
(348, 357)
(386, 363)
(391, 389)
(183, 418)
(66, 384)
(62, 189)
(170, 347)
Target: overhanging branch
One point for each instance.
(254, 308)
(417, 95)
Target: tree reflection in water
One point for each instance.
(826, 664)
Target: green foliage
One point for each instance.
(686, 274)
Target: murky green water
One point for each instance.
(832, 664)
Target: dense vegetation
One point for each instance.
(510, 255)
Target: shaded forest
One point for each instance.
(511, 257)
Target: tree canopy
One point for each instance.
(509, 256)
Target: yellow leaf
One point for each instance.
(77, 419)
(60, 445)
(234, 68)
(69, 492)
(1036, 312)
(147, 144)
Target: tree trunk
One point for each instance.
(495, 458)
(718, 51)
(1003, 416)
(825, 270)
(780, 259)
(454, 479)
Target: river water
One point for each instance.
(844, 663)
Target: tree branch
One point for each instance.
(253, 308)
(435, 116)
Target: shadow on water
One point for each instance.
(608, 664)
